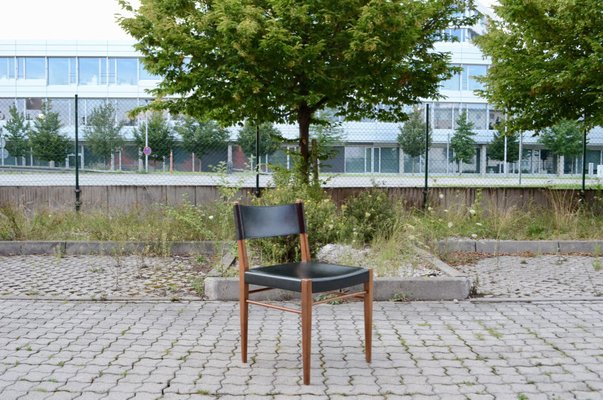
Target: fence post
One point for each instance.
(426, 189)
(78, 202)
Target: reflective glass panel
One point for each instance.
(471, 72)
(61, 71)
(31, 68)
(92, 71)
(7, 68)
(126, 71)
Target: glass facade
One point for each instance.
(7, 68)
(61, 71)
(123, 71)
(92, 71)
(29, 68)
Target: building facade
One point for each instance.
(33, 73)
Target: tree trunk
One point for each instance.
(304, 116)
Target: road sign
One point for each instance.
(2, 142)
(147, 151)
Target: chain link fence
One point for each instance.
(38, 136)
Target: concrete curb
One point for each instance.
(13, 248)
(436, 288)
(521, 246)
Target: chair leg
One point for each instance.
(244, 310)
(368, 317)
(306, 319)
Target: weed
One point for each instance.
(400, 296)
(198, 285)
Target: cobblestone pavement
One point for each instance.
(190, 350)
(556, 276)
(101, 277)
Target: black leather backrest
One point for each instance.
(267, 221)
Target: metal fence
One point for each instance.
(114, 147)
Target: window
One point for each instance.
(7, 68)
(61, 71)
(494, 117)
(354, 159)
(145, 75)
(31, 68)
(471, 72)
(476, 113)
(123, 71)
(92, 71)
(442, 116)
(390, 159)
(453, 83)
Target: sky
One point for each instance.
(66, 20)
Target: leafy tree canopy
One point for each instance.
(412, 134)
(160, 136)
(546, 61)
(270, 139)
(462, 142)
(280, 61)
(201, 137)
(563, 139)
(16, 141)
(47, 142)
(103, 132)
(496, 148)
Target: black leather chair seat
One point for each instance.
(324, 277)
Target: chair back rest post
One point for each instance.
(303, 235)
(241, 246)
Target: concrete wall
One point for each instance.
(129, 197)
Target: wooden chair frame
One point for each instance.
(307, 302)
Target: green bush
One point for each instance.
(322, 220)
(367, 213)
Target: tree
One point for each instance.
(462, 143)
(160, 136)
(496, 148)
(280, 61)
(47, 142)
(201, 137)
(412, 136)
(562, 139)
(546, 61)
(270, 139)
(103, 132)
(17, 143)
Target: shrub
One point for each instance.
(366, 214)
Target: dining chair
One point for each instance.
(306, 277)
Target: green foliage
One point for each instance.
(17, 143)
(367, 214)
(280, 61)
(563, 139)
(546, 61)
(47, 142)
(160, 135)
(103, 132)
(462, 142)
(322, 219)
(201, 137)
(496, 148)
(270, 139)
(412, 135)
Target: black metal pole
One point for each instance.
(426, 189)
(78, 203)
(257, 161)
(584, 163)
